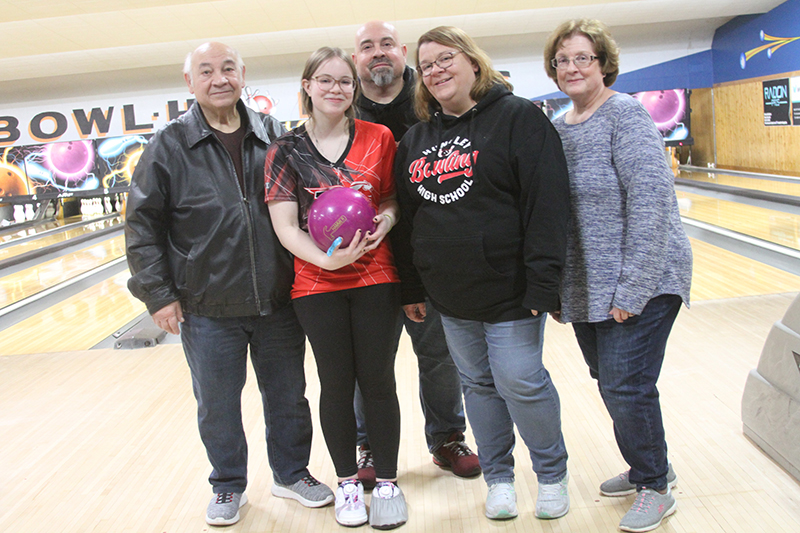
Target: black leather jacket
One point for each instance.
(193, 235)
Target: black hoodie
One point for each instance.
(484, 202)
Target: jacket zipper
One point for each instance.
(245, 205)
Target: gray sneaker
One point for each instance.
(308, 491)
(553, 499)
(648, 510)
(501, 502)
(388, 507)
(223, 510)
(621, 486)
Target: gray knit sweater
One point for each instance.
(625, 243)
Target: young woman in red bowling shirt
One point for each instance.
(348, 302)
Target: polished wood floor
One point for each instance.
(106, 441)
(48, 274)
(52, 232)
(791, 188)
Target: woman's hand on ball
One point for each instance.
(342, 257)
(382, 226)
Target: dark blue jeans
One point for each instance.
(439, 383)
(216, 349)
(626, 360)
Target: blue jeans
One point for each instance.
(626, 359)
(216, 350)
(506, 384)
(439, 383)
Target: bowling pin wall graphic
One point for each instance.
(258, 102)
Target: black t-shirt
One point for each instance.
(233, 144)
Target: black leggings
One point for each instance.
(352, 335)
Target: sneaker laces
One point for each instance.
(311, 481)
(459, 448)
(550, 491)
(224, 497)
(644, 500)
(365, 459)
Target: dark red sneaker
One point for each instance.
(366, 469)
(455, 455)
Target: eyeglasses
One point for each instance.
(444, 62)
(326, 83)
(581, 61)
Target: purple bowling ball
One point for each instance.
(339, 212)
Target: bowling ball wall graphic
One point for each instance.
(670, 112)
(669, 109)
(57, 168)
(339, 212)
(13, 181)
(74, 168)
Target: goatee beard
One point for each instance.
(382, 77)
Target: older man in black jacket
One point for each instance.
(206, 262)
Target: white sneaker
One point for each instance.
(350, 507)
(501, 502)
(553, 500)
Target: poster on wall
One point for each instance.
(776, 102)
(794, 96)
(669, 109)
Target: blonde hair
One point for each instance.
(319, 57)
(605, 48)
(485, 78)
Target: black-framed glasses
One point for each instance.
(326, 83)
(580, 61)
(444, 62)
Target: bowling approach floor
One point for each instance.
(106, 440)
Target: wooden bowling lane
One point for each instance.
(84, 320)
(719, 274)
(790, 188)
(76, 323)
(10, 233)
(72, 231)
(25, 283)
(773, 226)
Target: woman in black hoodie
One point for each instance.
(484, 196)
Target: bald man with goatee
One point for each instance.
(387, 97)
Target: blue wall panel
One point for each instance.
(756, 46)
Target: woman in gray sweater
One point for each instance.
(629, 262)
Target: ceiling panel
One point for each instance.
(53, 43)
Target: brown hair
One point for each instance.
(486, 76)
(316, 59)
(605, 48)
